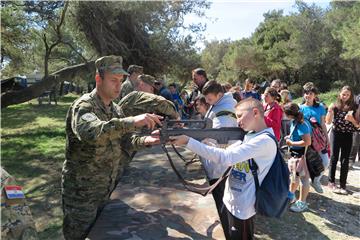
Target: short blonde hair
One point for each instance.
(251, 103)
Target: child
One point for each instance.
(222, 114)
(273, 111)
(341, 114)
(313, 109)
(239, 195)
(298, 139)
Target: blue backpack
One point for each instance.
(272, 196)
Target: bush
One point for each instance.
(296, 90)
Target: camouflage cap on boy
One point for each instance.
(111, 64)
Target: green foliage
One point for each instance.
(211, 56)
(296, 90)
(311, 44)
(148, 33)
(327, 98)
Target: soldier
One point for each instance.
(138, 102)
(16, 219)
(95, 128)
(131, 82)
(146, 84)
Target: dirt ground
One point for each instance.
(330, 216)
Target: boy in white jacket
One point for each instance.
(239, 195)
(222, 114)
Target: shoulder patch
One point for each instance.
(89, 117)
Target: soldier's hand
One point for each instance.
(179, 140)
(147, 119)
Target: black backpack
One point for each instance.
(272, 196)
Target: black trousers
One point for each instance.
(340, 141)
(237, 229)
(218, 194)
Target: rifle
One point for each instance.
(199, 130)
(203, 130)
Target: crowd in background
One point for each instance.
(309, 130)
(340, 120)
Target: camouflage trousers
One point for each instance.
(80, 215)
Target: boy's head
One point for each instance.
(212, 91)
(250, 114)
(249, 83)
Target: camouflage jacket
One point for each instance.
(141, 102)
(16, 218)
(126, 88)
(93, 146)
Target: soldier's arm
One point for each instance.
(88, 127)
(166, 107)
(141, 102)
(133, 142)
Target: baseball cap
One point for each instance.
(112, 64)
(135, 68)
(147, 79)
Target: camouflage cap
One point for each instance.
(147, 79)
(135, 68)
(112, 64)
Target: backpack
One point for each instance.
(272, 195)
(318, 137)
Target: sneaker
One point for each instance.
(317, 185)
(299, 206)
(341, 191)
(331, 186)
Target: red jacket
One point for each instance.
(273, 116)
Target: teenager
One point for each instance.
(273, 111)
(298, 140)
(222, 114)
(342, 115)
(239, 195)
(313, 110)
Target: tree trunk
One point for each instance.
(65, 74)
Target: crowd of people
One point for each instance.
(125, 100)
(291, 124)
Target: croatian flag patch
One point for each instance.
(14, 192)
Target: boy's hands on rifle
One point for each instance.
(179, 140)
(147, 119)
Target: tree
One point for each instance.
(212, 56)
(344, 22)
(145, 33)
(52, 36)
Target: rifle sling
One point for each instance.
(191, 186)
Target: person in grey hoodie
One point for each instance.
(222, 113)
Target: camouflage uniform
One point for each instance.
(94, 133)
(128, 86)
(16, 219)
(136, 103)
(140, 102)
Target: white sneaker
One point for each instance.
(317, 185)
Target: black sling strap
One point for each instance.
(192, 187)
